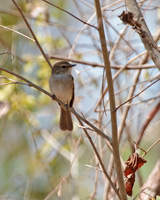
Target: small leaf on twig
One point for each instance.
(134, 162)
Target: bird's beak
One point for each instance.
(72, 65)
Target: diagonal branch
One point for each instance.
(10, 29)
(71, 14)
(99, 158)
(144, 32)
(137, 94)
(147, 121)
(30, 84)
(29, 27)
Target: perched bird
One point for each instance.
(61, 84)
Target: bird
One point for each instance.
(61, 85)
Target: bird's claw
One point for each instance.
(53, 96)
(66, 105)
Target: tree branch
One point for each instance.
(94, 64)
(137, 94)
(30, 29)
(144, 32)
(30, 84)
(147, 121)
(115, 143)
(99, 158)
(71, 14)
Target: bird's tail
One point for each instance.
(66, 120)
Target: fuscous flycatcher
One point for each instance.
(62, 86)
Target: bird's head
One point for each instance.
(62, 67)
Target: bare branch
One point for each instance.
(10, 29)
(29, 27)
(93, 64)
(148, 119)
(71, 14)
(99, 158)
(151, 147)
(144, 32)
(112, 101)
(30, 84)
(137, 94)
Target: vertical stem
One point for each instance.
(115, 143)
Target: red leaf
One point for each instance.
(133, 163)
(129, 182)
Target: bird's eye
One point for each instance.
(63, 66)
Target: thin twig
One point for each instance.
(131, 92)
(79, 34)
(94, 64)
(99, 158)
(147, 121)
(151, 147)
(29, 27)
(98, 131)
(10, 29)
(30, 84)
(70, 14)
(13, 81)
(136, 94)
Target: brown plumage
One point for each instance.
(62, 85)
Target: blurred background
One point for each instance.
(37, 159)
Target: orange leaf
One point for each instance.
(133, 163)
(129, 182)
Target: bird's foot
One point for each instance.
(53, 96)
(65, 107)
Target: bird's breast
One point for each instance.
(62, 86)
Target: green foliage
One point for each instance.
(9, 20)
